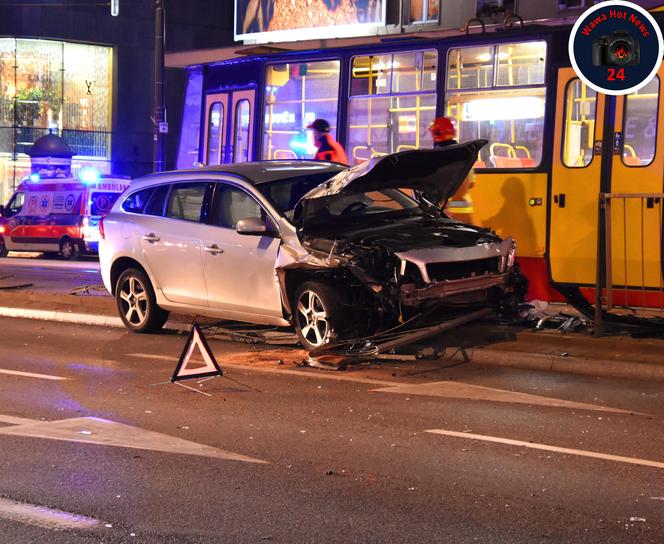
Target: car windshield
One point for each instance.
(286, 193)
(370, 203)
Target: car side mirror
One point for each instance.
(253, 225)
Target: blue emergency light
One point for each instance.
(88, 174)
(34, 177)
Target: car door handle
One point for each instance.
(152, 237)
(214, 249)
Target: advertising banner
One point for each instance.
(289, 20)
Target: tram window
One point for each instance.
(579, 132)
(414, 72)
(521, 64)
(215, 124)
(295, 95)
(515, 64)
(512, 121)
(392, 102)
(483, 106)
(640, 125)
(241, 130)
(470, 68)
(371, 75)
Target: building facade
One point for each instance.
(73, 69)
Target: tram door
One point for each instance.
(637, 170)
(229, 120)
(576, 174)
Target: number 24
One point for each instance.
(616, 74)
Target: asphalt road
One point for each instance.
(93, 451)
(50, 274)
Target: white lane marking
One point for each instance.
(32, 375)
(62, 317)
(46, 518)
(459, 390)
(93, 430)
(546, 447)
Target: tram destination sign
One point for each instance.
(262, 21)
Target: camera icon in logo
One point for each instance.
(619, 49)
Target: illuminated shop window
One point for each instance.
(579, 131)
(497, 93)
(640, 125)
(64, 88)
(295, 95)
(392, 102)
(424, 11)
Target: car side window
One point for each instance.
(231, 204)
(185, 201)
(15, 204)
(135, 202)
(156, 204)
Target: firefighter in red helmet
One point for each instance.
(460, 206)
(328, 148)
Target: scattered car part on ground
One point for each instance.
(339, 356)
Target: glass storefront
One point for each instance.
(64, 88)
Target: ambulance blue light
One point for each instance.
(89, 174)
(299, 144)
(34, 177)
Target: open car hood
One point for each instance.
(436, 173)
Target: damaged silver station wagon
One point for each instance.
(336, 252)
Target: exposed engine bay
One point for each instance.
(378, 233)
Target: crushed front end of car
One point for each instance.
(377, 233)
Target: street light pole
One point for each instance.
(158, 110)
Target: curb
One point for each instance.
(76, 318)
(61, 317)
(586, 366)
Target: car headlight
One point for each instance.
(511, 257)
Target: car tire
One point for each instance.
(3, 249)
(68, 249)
(137, 304)
(317, 313)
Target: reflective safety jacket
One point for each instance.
(331, 150)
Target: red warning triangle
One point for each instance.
(210, 366)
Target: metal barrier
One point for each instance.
(629, 265)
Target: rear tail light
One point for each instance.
(101, 228)
(3, 229)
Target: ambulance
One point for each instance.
(58, 215)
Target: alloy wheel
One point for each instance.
(134, 301)
(67, 249)
(312, 318)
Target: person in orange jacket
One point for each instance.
(460, 206)
(328, 148)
